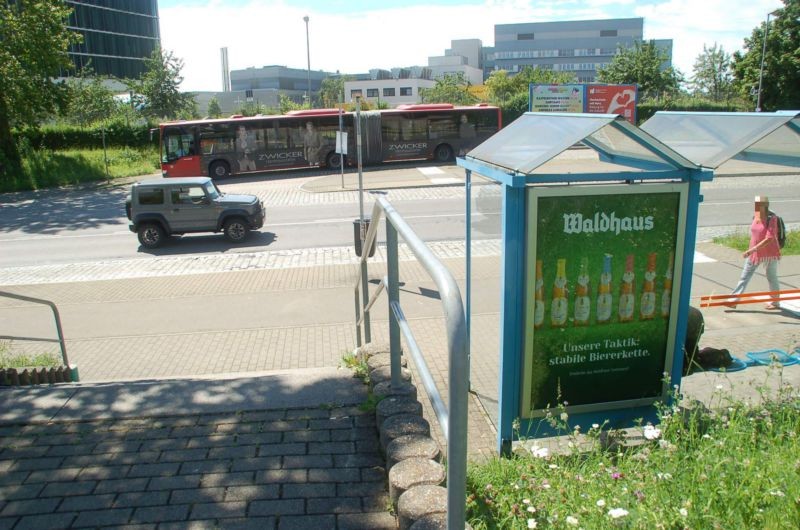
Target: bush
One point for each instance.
(59, 137)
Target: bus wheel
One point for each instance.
(333, 160)
(219, 170)
(443, 153)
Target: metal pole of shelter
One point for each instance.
(761, 69)
(308, 71)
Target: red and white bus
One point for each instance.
(222, 147)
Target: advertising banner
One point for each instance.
(612, 99)
(601, 295)
(557, 98)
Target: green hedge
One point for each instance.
(646, 109)
(59, 137)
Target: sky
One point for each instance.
(351, 36)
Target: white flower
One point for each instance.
(595, 426)
(531, 509)
(572, 521)
(601, 503)
(777, 493)
(526, 501)
(684, 512)
(616, 513)
(651, 433)
(540, 452)
(531, 523)
(564, 416)
(553, 466)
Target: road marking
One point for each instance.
(699, 257)
(63, 236)
(428, 171)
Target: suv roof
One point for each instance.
(175, 180)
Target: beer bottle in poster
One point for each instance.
(583, 306)
(666, 295)
(558, 307)
(647, 307)
(604, 297)
(538, 308)
(626, 292)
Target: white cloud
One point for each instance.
(266, 32)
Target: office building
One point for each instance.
(291, 82)
(118, 35)
(463, 57)
(578, 47)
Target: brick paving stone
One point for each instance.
(355, 434)
(307, 436)
(307, 461)
(157, 514)
(304, 522)
(279, 476)
(232, 452)
(122, 485)
(154, 470)
(218, 510)
(70, 450)
(330, 448)
(7, 523)
(20, 491)
(257, 464)
(250, 493)
(35, 463)
(334, 505)
(13, 478)
(308, 491)
(257, 439)
(51, 521)
(197, 495)
(67, 489)
(174, 483)
(334, 475)
(280, 507)
(205, 466)
(141, 498)
(103, 472)
(81, 503)
(282, 449)
(113, 517)
(29, 506)
(366, 521)
(227, 479)
(358, 460)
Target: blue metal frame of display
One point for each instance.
(513, 254)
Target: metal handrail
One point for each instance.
(453, 421)
(56, 316)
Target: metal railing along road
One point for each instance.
(56, 317)
(453, 421)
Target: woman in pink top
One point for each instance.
(764, 249)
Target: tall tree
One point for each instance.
(89, 99)
(642, 64)
(332, 90)
(159, 86)
(712, 75)
(780, 86)
(34, 40)
(450, 88)
(214, 110)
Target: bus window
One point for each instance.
(415, 129)
(178, 142)
(486, 122)
(391, 128)
(443, 127)
(277, 137)
(216, 138)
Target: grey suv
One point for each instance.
(159, 208)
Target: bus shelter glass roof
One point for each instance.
(711, 139)
(539, 143)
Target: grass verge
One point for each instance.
(741, 242)
(738, 467)
(47, 169)
(9, 360)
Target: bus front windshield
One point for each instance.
(177, 143)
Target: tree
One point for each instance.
(34, 40)
(214, 110)
(450, 88)
(332, 90)
(712, 76)
(642, 65)
(780, 87)
(158, 86)
(89, 99)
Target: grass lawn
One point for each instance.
(9, 360)
(737, 467)
(46, 169)
(741, 241)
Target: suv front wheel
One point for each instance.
(236, 229)
(150, 235)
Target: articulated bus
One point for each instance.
(306, 138)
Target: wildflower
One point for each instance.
(595, 426)
(488, 487)
(651, 433)
(553, 466)
(777, 493)
(526, 501)
(664, 476)
(572, 521)
(516, 486)
(601, 503)
(706, 436)
(719, 387)
(616, 513)
(540, 452)
(684, 512)
(639, 495)
(531, 523)
(531, 509)
(616, 475)
(545, 486)
(564, 416)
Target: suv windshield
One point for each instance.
(212, 191)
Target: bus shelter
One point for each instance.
(597, 224)
(732, 142)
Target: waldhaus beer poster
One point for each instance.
(602, 282)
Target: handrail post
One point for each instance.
(365, 299)
(358, 318)
(393, 290)
(56, 317)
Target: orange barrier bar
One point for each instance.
(715, 300)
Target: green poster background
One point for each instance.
(598, 362)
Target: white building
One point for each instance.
(464, 57)
(391, 91)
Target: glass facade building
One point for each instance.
(117, 35)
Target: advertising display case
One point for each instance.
(598, 223)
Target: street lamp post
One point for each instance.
(763, 54)
(308, 57)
